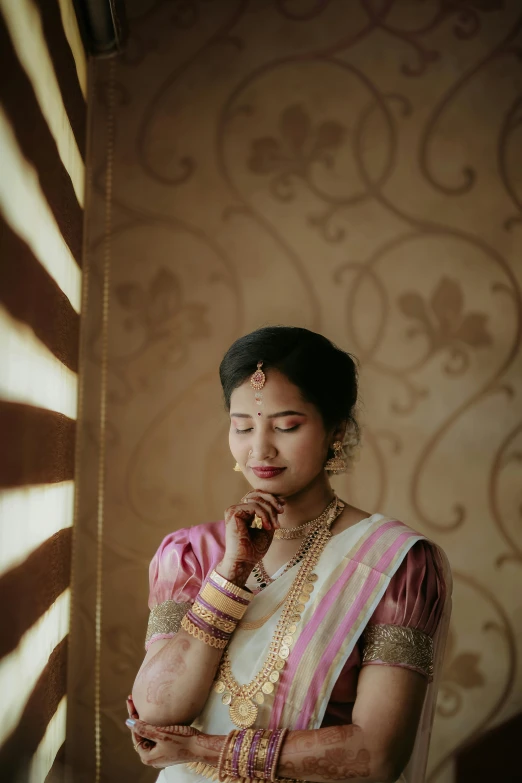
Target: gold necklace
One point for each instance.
(259, 571)
(288, 533)
(243, 700)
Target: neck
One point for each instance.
(308, 503)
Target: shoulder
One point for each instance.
(204, 539)
(183, 560)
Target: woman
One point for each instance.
(298, 638)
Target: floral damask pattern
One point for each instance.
(445, 325)
(355, 173)
(299, 147)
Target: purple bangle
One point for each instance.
(271, 753)
(235, 754)
(226, 592)
(203, 626)
(217, 612)
(252, 754)
(281, 734)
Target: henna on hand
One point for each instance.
(246, 546)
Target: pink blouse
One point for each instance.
(414, 598)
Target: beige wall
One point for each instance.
(355, 172)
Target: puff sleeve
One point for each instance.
(400, 631)
(176, 574)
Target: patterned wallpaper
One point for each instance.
(355, 168)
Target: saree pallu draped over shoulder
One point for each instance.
(352, 575)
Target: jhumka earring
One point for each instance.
(337, 463)
(237, 468)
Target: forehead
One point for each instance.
(278, 393)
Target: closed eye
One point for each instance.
(238, 432)
(290, 429)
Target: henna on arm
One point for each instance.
(335, 753)
(332, 754)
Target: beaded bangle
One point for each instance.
(273, 762)
(198, 633)
(211, 618)
(207, 627)
(215, 611)
(224, 755)
(220, 581)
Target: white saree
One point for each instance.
(353, 573)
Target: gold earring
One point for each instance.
(337, 463)
(237, 468)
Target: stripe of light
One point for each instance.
(26, 210)
(20, 670)
(31, 515)
(30, 373)
(51, 743)
(25, 28)
(72, 33)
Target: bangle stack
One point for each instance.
(251, 754)
(216, 612)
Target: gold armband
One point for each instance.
(398, 646)
(165, 618)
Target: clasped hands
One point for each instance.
(161, 746)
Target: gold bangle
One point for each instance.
(213, 619)
(230, 586)
(242, 761)
(212, 596)
(197, 633)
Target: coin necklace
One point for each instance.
(259, 572)
(243, 700)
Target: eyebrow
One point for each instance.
(272, 415)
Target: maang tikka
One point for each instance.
(257, 381)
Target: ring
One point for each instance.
(258, 522)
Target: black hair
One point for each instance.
(325, 375)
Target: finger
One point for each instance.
(254, 508)
(274, 500)
(270, 509)
(131, 709)
(145, 730)
(245, 512)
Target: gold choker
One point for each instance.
(288, 533)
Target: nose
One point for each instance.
(262, 448)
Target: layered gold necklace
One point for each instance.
(259, 571)
(243, 700)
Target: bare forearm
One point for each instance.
(333, 754)
(173, 686)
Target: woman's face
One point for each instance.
(280, 445)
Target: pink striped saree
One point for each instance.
(353, 574)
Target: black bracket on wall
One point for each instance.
(103, 25)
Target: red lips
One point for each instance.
(267, 473)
